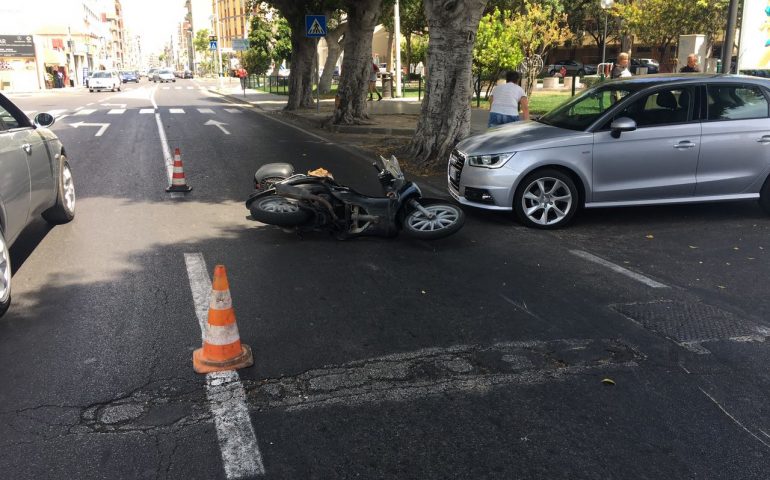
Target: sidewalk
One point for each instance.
(392, 117)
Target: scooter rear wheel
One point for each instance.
(280, 211)
(448, 219)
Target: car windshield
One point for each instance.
(584, 109)
(165, 71)
(101, 75)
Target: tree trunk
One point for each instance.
(389, 55)
(301, 74)
(335, 42)
(446, 112)
(408, 44)
(357, 62)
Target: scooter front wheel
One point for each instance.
(280, 211)
(446, 219)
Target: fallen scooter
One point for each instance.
(315, 201)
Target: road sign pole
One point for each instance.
(317, 78)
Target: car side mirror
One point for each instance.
(44, 120)
(622, 124)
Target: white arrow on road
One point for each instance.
(218, 124)
(99, 133)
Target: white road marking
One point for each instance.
(734, 419)
(177, 88)
(227, 399)
(89, 104)
(165, 88)
(219, 125)
(189, 88)
(99, 133)
(78, 108)
(206, 110)
(176, 110)
(116, 111)
(85, 111)
(56, 113)
(232, 110)
(152, 96)
(147, 110)
(119, 105)
(618, 269)
(166, 151)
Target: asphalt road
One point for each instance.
(479, 356)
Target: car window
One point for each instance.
(662, 107)
(736, 102)
(583, 110)
(100, 75)
(11, 117)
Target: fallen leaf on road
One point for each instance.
(608, 381)
(649, 236)
(736, 248)
(721, 287)
(693, 247)
(751, 258)
(423, 292)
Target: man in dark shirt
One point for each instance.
(692, 64)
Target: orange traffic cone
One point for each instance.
(178, 182)
(222, 347)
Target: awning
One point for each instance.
(54, 57)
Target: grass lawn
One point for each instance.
(540, 103)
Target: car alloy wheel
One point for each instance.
(546, 199)
(5, 276)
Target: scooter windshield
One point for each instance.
(391, 165)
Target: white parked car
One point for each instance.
(104, 80)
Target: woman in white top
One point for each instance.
(505, 100)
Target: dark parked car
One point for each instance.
(573, 68)
(635, 63)
(36, 179)
(187, 74)
(126, 77)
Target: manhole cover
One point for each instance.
(688, 322)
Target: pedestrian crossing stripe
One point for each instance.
(175, 110)
(232, 110)
(205, 110)
(116, 111)
(147, 110)
(85, 111)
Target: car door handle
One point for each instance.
(27, 148)
(684, 144)
(764, 139)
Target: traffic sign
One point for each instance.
(315, 26)
(213, 45)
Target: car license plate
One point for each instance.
(454, 174)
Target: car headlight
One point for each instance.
(494, 160)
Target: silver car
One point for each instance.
(35, 179)
(659, 139)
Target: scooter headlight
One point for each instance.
(495, 160)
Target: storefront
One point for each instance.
(18, 64)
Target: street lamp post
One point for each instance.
(606, 5)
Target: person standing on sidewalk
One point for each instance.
(373, 82)
(621, 68)
(505, 100)
(692, 64)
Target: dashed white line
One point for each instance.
(190, 88)
(165, 88)
(146, 110)
(618, 269)
(227, 399)
(232, 110)
(177, 88)
(78, 108)
(205, 110)
(116, 111)
(176, 110)
(56, 113)
(85, 111)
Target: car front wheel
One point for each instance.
(63, 210)
(764, 196)
(546, 199)
(5, 276)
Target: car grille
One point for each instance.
(456, 160)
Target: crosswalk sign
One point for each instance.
(315, 26)
(213, 45)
